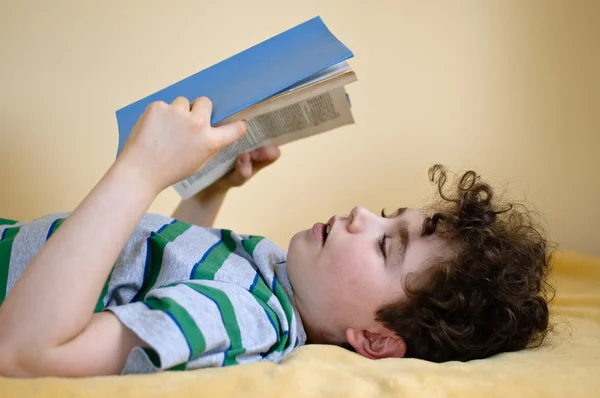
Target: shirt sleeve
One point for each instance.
(196, 324)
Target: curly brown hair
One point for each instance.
(493, 296)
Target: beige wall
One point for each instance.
(509, 88)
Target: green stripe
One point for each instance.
(229, 319)
(5, 250)
(100, 304)
(5, 221)
(287, 309)
(285, 302)
(153, 356)
(263, 294)
(208, 267)
(191, 333)
(173, 230)
(250, 244)
(158, 241)
(181, 366)
(155, 359)
(280, 344)
(55, 226)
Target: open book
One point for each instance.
(288, 87)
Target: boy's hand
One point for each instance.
(247, 165)
(171, 142)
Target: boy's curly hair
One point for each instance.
(492, 296)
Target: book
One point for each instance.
(288, 87)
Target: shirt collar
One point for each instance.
(281, 273)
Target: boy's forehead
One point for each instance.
(428, 247)
(412, 215)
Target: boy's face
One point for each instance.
(341, 282)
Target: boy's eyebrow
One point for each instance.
(398, 211)
(403, 234)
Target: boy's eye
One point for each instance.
(382, 246)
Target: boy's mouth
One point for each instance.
(326, 232)
(321, 232)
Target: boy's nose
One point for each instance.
(359, 211)
(357, 217)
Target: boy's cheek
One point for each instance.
(346, 276)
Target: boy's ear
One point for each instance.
(376, 345)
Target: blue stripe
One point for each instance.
(165, 226)
(272, 323)
(254, 283)
(210, 250)
(178, 325)
(195, 267)
(297, 342)
(4, 233)
(264, 309)
(274, 284)
(52, 227)
(147, 263)
(281, 262)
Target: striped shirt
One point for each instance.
(199, 297)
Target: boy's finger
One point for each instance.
(245, 169)
(202, 107)
(228, 134)
(181, 103)
(244, 158)
(266, 153)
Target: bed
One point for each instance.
(567, 366)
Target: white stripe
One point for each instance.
(183, 253)
(249, 358)
(203, 311)
(27, 243)
(128, 275)
(258, 334)
(278, 309)
(207, 361)
(157, 329)
(237, 269)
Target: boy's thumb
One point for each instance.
(230, 133)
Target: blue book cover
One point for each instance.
(250, 76)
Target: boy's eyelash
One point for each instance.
(382, 246)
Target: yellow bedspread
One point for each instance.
(568, 367)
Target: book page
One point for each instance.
(315, 115)
(297, 94)
(327, 73)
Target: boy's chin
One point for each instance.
(300, 240)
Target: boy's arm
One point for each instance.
(202, 209)
(50, 309)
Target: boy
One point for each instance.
(110, 290)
